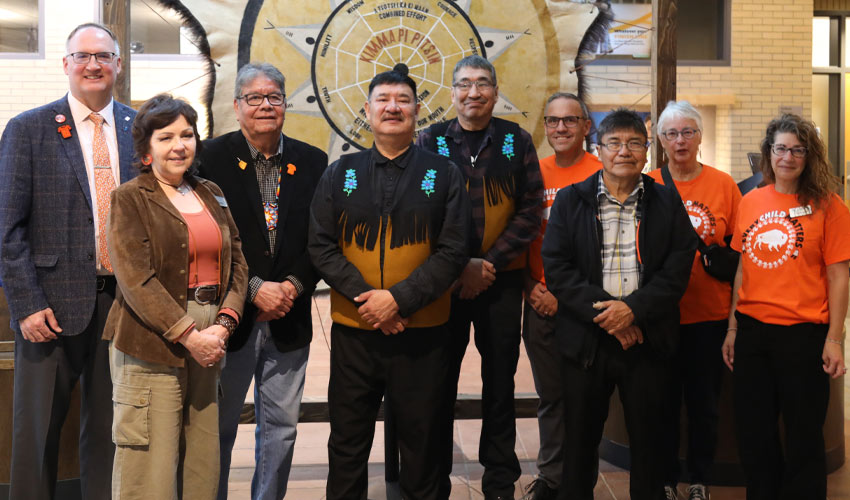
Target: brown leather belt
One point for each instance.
(204, 295)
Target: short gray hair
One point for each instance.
(567, 95)
(250, 71)
(95, 26)
(678, 109)
(475, 61)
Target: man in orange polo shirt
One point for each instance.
(567, 124)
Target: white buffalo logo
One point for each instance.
(695, 221)
(774, 239)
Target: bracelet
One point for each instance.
(731, 330)
(839, 342)
(227, 322)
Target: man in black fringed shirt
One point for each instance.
(388, 233)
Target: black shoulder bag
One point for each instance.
(720, 262)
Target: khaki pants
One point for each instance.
(165, 425)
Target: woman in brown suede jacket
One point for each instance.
(182, 278)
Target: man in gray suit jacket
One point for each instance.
(58, 163)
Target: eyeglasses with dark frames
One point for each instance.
(85, 57)
(257, 99)
(569, 121)
(796, 152)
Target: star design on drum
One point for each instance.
(360, 38)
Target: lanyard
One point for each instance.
(270, 208)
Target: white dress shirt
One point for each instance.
(85, 132)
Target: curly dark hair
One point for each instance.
(817, 181)
(159, 112)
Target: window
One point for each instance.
(703, 32)
(155, 29)
(19, 27)
(831, 84)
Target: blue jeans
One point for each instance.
(279, 383)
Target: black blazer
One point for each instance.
(220, 163)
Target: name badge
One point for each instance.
(800, 211)
(221, 201)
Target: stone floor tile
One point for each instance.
(310, 470)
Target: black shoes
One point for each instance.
(539, 490)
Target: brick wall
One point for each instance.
(770, 67)
(26, 83)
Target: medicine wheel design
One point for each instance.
(331, 50)
(363, 38)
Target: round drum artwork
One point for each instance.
(362, 39)
(329, 50)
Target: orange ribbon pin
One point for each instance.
(290, 169)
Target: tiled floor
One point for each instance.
(307, 481)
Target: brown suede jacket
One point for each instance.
(148, 243)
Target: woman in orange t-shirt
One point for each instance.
(790, 298)
(711, 198)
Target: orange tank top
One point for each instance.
(204, 248)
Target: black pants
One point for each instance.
(544, 355)
(409, 371)
(496, 315)
(698, 373)
(45, 376)
(641, 379)
(778, 370)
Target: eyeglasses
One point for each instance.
(672, 134)
(85, 57)
(796, 152)
(257, 99)
(569, 121)
(481, 85)
(615, 147)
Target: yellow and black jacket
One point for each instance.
(415, 248)
(504, 186)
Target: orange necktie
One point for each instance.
(104, 183)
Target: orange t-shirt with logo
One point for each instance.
(555, 178)
(711, 200)
(785, 248)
